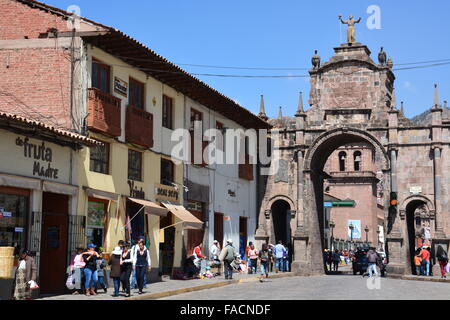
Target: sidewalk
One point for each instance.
(170, 287)
(419, 278)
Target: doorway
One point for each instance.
(242, 236)
(55, 210)
(418, 227)
(281, 222)
(167, 248)
(218, 227)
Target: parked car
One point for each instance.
(359, 262)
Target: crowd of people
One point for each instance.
(129, 266)
(228, 260)
(423, 257)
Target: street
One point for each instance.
(338, 287)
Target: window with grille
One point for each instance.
(134, 165)
(99, 158)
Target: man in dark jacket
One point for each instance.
(372, 259)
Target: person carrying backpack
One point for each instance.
(442, 257)
(227, 255)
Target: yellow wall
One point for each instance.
(117, 179)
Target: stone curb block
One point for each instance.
(158, 295)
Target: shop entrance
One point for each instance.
(218, 228)
(55, 209)
(167, 248)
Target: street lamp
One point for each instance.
(366, 229)
(332, 225)
(351, 227)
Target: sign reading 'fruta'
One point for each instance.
(39, 153)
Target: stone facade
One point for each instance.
(352, 101)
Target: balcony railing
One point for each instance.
(139, 127)
(104, 112)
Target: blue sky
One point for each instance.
(283, 34)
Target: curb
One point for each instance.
(159, 295)
(403, 277)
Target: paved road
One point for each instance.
(339, 287)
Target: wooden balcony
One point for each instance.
(246, 169)
(139, 127)
(104, 112)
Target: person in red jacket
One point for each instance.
(198, 256)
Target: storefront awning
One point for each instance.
(189, 220)
(94, 193)
(151, 207)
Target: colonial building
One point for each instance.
(39, 194)
(352, 108)
(97, 81)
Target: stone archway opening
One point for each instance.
(315, 161)
(418, 226)
(281, 218)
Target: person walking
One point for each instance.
(442, 257)
(114, 262)
(101, 264)
(25, 277)
(425, 255)
(141, 264)
(90, 270)
(264, 261)
(271, 257)
(279, 254)
(336, 256)
(253, 258)
(286, 259)
(134, 250)
(126, 266)
(78, 265)
(418, 263)
(372, 258)
(228, 255)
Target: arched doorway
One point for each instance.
(281, 218)
(281, 224)
(419, 222)
(313, 175)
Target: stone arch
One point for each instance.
(416, 197)
(280, 197)
(340, 136)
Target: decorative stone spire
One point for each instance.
(300, 106)
(402, 110)
(436, 104)
(262, 111)
(280, 114)
(445, 105)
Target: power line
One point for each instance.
(270, 76)
(273, 68)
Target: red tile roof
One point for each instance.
(137, 54)
(9, 120)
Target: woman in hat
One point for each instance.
(90, 270)
(126, 266)
(114, 262)
(25, 276)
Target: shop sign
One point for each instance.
(120, 86)
(42, 155)
(168, 193)
(17, 229)
(135, 192)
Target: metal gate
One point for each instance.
(77, 234)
